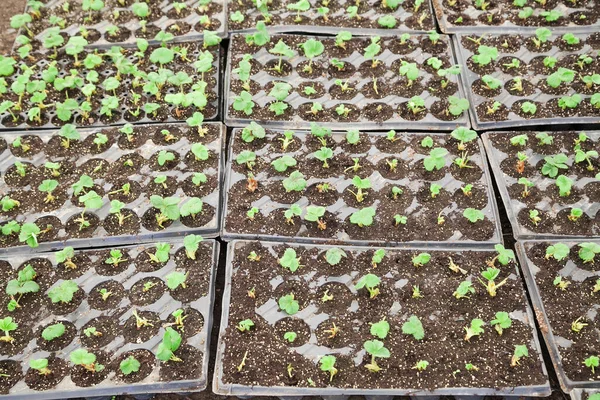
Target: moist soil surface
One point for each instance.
(443, 317)
(113, 181)
(544, 196)
(9, 8)
(374, 156)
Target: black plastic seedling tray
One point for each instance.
(197, 305)
(127, 107)
(554, 210)
(163, 18)
(370, 108)
(265, 344)
(533, 75)
(505, 17)
(338, 18)
(373, 150)
(555, 319)
(112, 158)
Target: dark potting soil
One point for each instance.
(147, 364)
(58, 343)
(268, 356)
(58, 370)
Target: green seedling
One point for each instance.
(473, 215)
(501, 322)
(116, 257)
(177, 279)
(377, 350)
(586, 156)
(161, 253)
(245, 325)
(421, 365)
(587, 252)
(592, 362)
(129, 365)
(324, 154)
(86, 360)
(464, 289)
(558, 251)
(526, 185)
(474, 329)
(363, 217)
(40, 365)
(104, 294)
(520, 352)
(396, 191)
(328, 365)
(414, 327)
(64, 292)
(377, 257)
(293, 211)
(290, 336)
(464, 136)
(295, 182)
(575, 214)
(436, 159)
(290, 260)
(334, 255)
(503, 256)
(380, 329)
(289, 304)
(400, 219)
(490, 284)
(561, 283)
(371, 283)
(92, 331)
(22, 285)
(65, 256)
(360, 185)
(421, 259)
(467, 190)
(534, 217)
(191, 243)
(314, 214)
(169, 345)
(53, 331)
(7, 325)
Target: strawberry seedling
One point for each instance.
(371, 283)
(474, 329)
(377, 350)
(86, 360)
